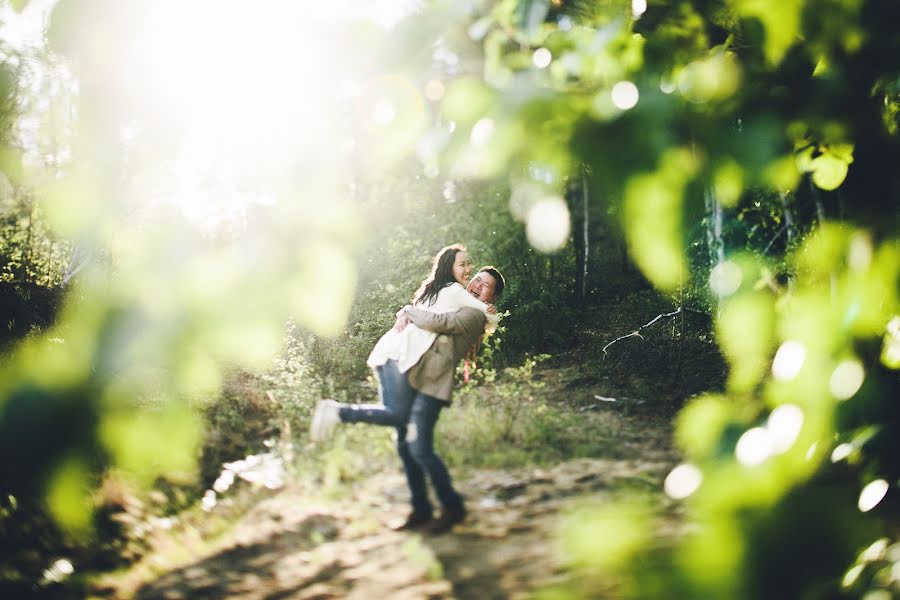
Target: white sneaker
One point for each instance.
(325, 420)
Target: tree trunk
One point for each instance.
(714, 242)
(788, 219)
(585, 229)
(580, 210)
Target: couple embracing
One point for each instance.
(416, 365)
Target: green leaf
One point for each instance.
(11, 164)
(69, 498)
(841, 151)
(745, 328)
(147, 443)
(890, 351)
(828, 171)
(700, 425)
(466, 100)
(728, 182)
(781, 20)
(653, 218)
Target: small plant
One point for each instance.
(502, 419)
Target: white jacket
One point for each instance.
(408, 346)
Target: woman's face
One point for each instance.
(462, 268)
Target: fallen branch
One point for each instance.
(637, 332)
(777, 235)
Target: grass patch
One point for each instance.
(509, 421)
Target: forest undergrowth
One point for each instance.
(513, 433)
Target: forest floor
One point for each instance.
(303, 542)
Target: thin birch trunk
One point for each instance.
(586, 227)
(714, 240)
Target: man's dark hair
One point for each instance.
(498, 278)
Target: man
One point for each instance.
(412, 402)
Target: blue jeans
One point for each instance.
(414, 415)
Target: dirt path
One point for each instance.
(288, 547)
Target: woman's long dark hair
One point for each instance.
(440, 277)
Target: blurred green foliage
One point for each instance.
(728, 92)
(745, 151)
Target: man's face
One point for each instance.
(482, 287)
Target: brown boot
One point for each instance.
(414, 522)
(444, 523)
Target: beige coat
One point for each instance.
(458, 331)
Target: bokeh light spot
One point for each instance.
(625, 95)
(784, 425)
(872, 494)
(434, 90)
(683, 481)
(811, 451)
(841, 452)
(754, 447)
(209, 500)
(846, 379)
(482, 132)
(852, 575)
(59, 571)
(875, 551)
(890, 352)
(548, 224)
(788, 360)
(725, 278)
(541, 58)
(666, 85)
(638, 7)
(879, 594)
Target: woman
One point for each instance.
(411, 412)
(442, 291)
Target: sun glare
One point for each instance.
(228, 100)
(246, 84)
(221, 103)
